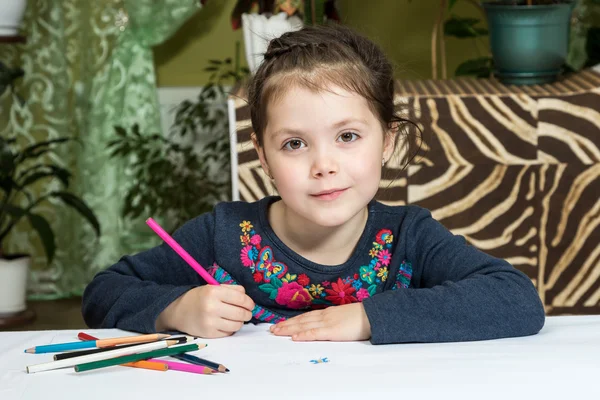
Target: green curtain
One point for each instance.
(88, 67)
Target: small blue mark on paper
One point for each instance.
(320, 360)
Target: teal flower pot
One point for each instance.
(529, 43)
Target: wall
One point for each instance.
(402, 27)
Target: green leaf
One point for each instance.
(276, 281)
(16, 212)
(372, 289)
(38, 149)
(53, 171)
(215, 62)
(267, 287)
(451, 4)
(273, 295)
(79, 205)
(44, 230)
(121, 131)
(480, 67)
(463, 27)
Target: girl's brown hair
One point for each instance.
(319, 57)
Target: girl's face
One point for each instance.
(324, 151)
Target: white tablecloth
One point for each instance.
(561, 362)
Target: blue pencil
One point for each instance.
(88, 344)
(200, 361)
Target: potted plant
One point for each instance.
(184, 174)
(529, 39)
(28, 181)
(262, 20)
(11, 16)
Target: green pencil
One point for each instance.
(136, 357)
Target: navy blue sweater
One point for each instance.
(417, 281)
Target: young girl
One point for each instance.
(324, 261)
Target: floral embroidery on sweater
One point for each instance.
(260, 313)
(298, 292)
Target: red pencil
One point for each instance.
(85, 336)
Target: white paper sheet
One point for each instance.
(562, 361)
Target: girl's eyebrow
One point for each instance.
(339, 124)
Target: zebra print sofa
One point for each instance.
(516, 170)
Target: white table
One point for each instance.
(561, 362)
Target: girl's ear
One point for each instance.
(261, 155)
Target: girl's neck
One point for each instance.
(322, 245)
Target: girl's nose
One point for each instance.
(324, 165)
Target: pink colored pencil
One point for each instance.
(177, 366)
(179, 250)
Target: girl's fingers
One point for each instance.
(228, 326)
(235, 313)
(297, 328)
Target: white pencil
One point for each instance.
(117, 352)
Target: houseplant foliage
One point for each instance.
(185, 173)
(28, 179)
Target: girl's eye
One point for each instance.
(348, 137)
(293, 144)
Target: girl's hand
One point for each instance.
(208, 311)
(337, 323)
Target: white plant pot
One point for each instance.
(259, 30)
(13, 284)
(11, 15)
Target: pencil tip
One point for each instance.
(226, 369)
(31, 351)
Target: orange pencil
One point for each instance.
(156, 366)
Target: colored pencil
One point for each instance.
(87, 366)
(179, 250)
(201, 361)
(58, 347)
(85, 336)
(70, 362)
(70, 354)
(156, 366)
(184, 367)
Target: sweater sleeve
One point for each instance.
(462, 294)
(132, 293)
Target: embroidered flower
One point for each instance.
(383, 273)
(341, 293)
(289, 278)
(357, 284)
(373, 253)
(255, 240)
(367, 274)
(293, 296)
(377, 246)
(258, 277)
(362, 294)
(246, 226)
(384, 257)
(325, 283)
(303, 279)
(245, 239)
(316, 290)
(246, 256)
(384, 236)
